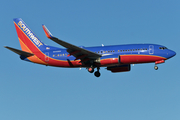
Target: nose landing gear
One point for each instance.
(156, 67)
(158, 62)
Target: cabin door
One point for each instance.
(151, 49)
(47, 56)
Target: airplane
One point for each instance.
(116, 58)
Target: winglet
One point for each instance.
(47, 32)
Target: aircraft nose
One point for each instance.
(171, 53)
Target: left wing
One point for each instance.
(80, 53)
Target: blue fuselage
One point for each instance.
(129, 49)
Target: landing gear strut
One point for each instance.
(97, 73)
(158, 62)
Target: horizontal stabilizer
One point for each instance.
(19, 52)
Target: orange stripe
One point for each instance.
(34, 58)
(23, 46)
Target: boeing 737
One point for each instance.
(116, 58)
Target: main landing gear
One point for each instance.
(91, 69)
(97, 73)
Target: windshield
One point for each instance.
(162, 48)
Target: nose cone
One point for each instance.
(171, 54)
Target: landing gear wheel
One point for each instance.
(97, 74)
(156, 67)
(91, 69)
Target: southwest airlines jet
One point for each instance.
(116, 58)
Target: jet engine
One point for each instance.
(119, 68)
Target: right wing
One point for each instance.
(78, 52)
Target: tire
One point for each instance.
(91, 69)
(97, 74)
(156, 67)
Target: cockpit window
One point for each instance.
(162, 48)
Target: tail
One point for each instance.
(31, 45)
(28, 40)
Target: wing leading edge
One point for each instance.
(78, 52)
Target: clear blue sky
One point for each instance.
(34, 92)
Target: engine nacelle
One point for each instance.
(109, 60)
(120, 68)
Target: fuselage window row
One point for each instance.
(110, 51)
(57, 55)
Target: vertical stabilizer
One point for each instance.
(28, 40)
